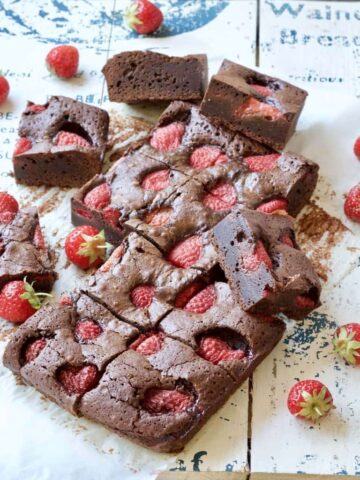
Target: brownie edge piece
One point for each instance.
(261, 107)
(142, 76)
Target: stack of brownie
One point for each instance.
(183, 311)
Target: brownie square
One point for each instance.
(68, 337)
(54, 162)
(146, 76)
(261, 107)
(21, 256)
(224, 334)
(264, 266)
(138, 263)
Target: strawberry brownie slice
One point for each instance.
(267, 271)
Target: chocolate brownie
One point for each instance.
(262, 107)
(67, 143)
(137, 283)
(146, 76)
(224, 334)
(264, 265)
(51, 350)
(23, 255)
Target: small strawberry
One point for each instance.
(347, 343)
(18, 301)
(86, 330)
(4, 89)
(158, 217)
(253, 107)
(188, 293)
(207, 156)
(78, 380)
(215, 350)
(357, 148)
(111, 216)
(34, 108)
(63, 61)
(144, 17)
(149, 343)
(303, 301)
(252, 261)
(86, 247)
(142, 296)
(352, 204)
(262, 163)
(9, 207)
(202, 301)
(68, 138)
(168, 138)
(38, 239)
(156, 181)
(22, 145)
(274, 206)
(33, 349)
(186, 253)
(310, 400)
(220, 198)
(66, 300)
(261, 90)
(99, 197)
(158, 400)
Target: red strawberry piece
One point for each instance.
(168, 138)
(38, 239)
(188, 293)
(261, 90)
(66, 300)
(347, 343)
(99, 197)
(252, 107)
(144, 17)
(287, 240)
(86, 330)
(273, 206)
(111, 216)
(4, 89)
(186, 253)
(260, 256)
(352, 204)
(142, 296)
(158, 217)
(156, 181)
(68, 138)
(86, 247)
(34, 349)
(33, 108)
(310, 400)
(158, 400)
(149, 343)
(202, 301)
(63, 61)
(215, 350)
(78, 380)
(18, 301)
(357, 148)
(262, 163)
(9, 207)
(207, 156)
(22, 145)
(221, 197)
(303, 301)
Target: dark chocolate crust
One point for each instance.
(65, 166)
(232, 86)
(146, 76)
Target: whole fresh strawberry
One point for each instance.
(18, 301)
(63, 61)
(8, 208)
(347, 343)
(352, 204)
(86, 247)
(4, 89)
(144, 17)
(310, 400)
(357, 148)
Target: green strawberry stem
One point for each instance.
(315, 405)
(346, 346)
(94, 247)
(130, 15)
(36, 299)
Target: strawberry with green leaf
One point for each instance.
(86, 247)
(310, 400)
(347, 343)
